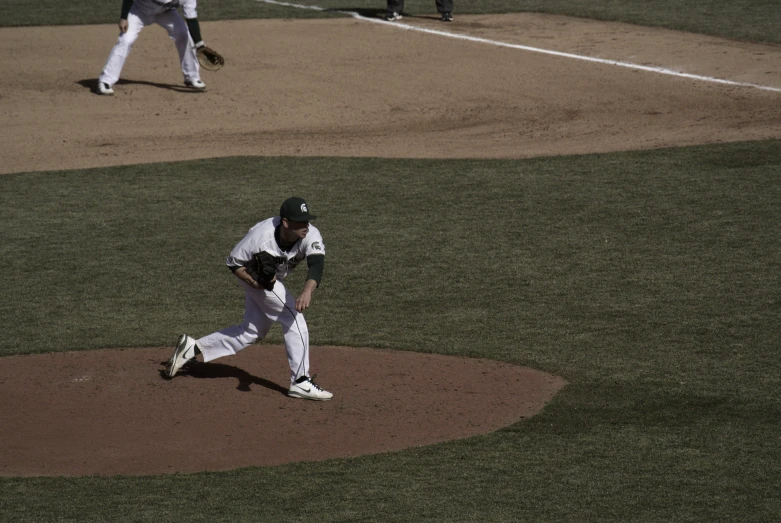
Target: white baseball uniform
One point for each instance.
(163, 13)
(261, 307)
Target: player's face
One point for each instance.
(297, 229)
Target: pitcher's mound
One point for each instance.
(111, 412)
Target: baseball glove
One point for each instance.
(209, 59)
(263, 269)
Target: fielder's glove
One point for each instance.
(263, 268)
(209, 59)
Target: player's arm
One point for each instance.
(126, 4)
(239, 269)
(242, 274)
(239, 257)
(191, 17)
(195, 31)
(259, 272)
(316, 263)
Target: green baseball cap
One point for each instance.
(295, 209)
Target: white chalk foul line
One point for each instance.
(628, 65)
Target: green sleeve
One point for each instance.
(195, 31)
(316, 263)
(125, 9)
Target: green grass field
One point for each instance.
(753, 20)
(648, 279)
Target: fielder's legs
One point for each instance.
(296, 333)
(172, 22)
(444, 6)
(262, 308)
(231, 340)
(121, 50)
(395, 6)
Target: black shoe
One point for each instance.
(392, 17)
(447, 17)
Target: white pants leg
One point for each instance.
(261, 309)
(121, 50)
(172, 22)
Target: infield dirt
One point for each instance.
(344, 87)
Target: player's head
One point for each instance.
(295, 209)
(296, 216)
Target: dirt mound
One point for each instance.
(111, 412)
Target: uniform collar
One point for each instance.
(278, 238)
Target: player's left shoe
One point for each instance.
(447, 17)
(306, 388)
(105, 89)
(195, 84)
(184, 352)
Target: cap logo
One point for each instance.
(303, 208)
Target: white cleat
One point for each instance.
(184, 352)
(105, 89)
(195, 84)
(306, 388)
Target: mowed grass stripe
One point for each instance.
(648, 279)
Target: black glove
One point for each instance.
(263, 269)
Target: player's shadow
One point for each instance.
(363, 11)
(200, 370)
(92, 85)
(377, 13)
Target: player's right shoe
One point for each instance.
(305, 388)
(105, 89)
(195, 84)
(392, 17)
(447, 17)
(184, 352)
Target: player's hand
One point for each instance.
(122, 26)
(259, 285)
(303, 301)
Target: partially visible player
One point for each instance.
(135, 15)
(289, 239)
(396, 7)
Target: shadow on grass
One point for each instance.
(378, 13)
(363, 11)
(200, 370)
(92, 85)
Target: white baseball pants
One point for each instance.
(261, 309)
(172, 22)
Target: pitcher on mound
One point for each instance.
(261, 261)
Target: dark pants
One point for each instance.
(443, 6)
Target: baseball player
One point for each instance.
(284, 241)
(137, 14)
(396, 7)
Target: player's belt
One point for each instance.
(169, 6)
